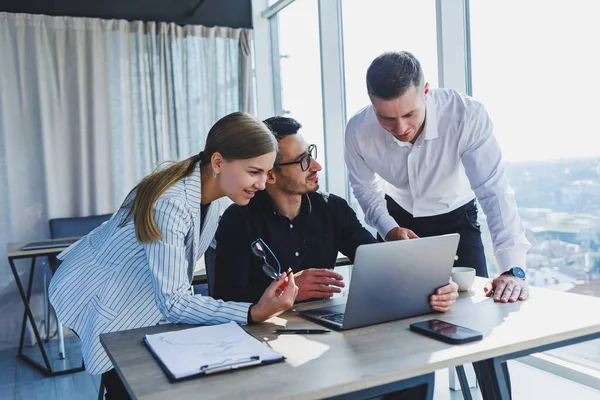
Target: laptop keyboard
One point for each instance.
(338, 317)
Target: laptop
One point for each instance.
(50, 244)
(390, 281)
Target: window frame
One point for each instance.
(454, 71)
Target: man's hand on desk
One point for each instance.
(318, 283)
(444, 297)
(507, 288)
(400, 234)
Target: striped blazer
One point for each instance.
(108, 281)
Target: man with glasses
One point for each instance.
(291, 225)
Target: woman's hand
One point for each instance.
(279, 296)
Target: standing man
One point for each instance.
(435, 151)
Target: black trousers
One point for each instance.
(114, 386)
(463, 221)
(414, 393)
(470, 253)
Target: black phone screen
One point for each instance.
(446, 331)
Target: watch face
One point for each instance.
(518, 272)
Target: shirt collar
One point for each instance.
(267, 202)
(430, 130)
(193, 188)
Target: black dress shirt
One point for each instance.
(325, 225)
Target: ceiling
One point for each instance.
(233, 13)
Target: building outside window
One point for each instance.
(539, 83)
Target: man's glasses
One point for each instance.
(260, 249)
(305, 160)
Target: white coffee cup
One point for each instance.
(463, 277)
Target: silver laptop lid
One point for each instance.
(393, 280)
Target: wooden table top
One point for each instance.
(331, 364)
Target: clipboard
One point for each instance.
(208, 350)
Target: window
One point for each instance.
(300, 71)
(385, 25)
(539, 86)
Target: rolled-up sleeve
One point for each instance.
(481, 157)
(365, 187)
(169, 265)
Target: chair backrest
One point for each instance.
(76, 226)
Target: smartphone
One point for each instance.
(446, 332)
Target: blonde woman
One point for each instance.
(137, 267)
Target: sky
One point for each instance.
(536, 73)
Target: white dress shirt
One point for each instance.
(455, 159)
(109, 281)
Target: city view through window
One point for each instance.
(539, 89)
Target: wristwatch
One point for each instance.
(515, 271)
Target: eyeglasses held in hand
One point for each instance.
(305, 160)
(260, 249)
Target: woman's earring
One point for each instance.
(215, 174)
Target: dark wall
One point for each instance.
(233, 13)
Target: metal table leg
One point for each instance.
(494, 379)
(61, 339)
(464, 383)
(46, 315)
(27, 314)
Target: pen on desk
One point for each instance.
(302, 331)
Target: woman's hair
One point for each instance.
(237, 136)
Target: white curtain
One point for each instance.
(88, 107)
